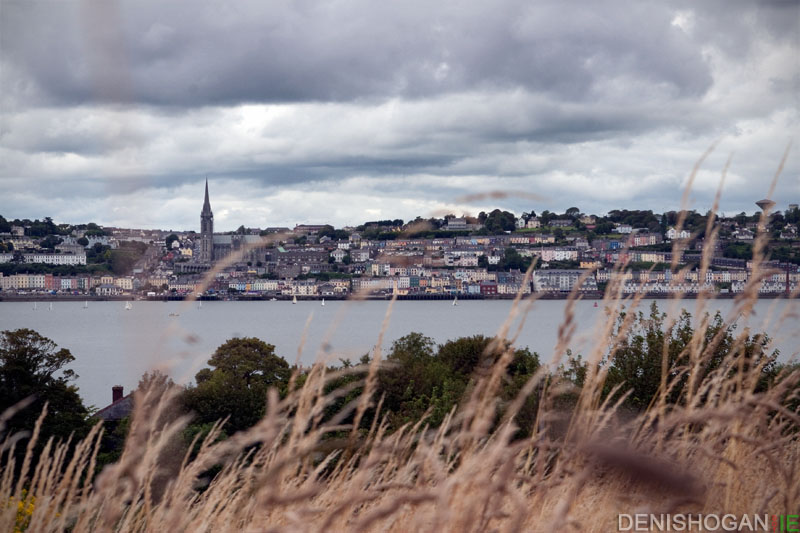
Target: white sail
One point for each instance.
(34, 306)
(86, 304)
(51, 306)
(294, 299)
(455, 300)
(323, 302)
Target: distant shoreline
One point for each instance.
(425, 297)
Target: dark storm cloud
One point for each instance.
(198, 53)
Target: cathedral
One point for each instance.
(216, 247)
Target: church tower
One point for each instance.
(206, 254)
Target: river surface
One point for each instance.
(115, 346)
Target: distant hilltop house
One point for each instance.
(560, 223)
(673, 234)
(743, 234)
(530, 223)
(623, 228)
(461, 224)
(309, 229)
(276, 229)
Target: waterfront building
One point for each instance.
(562, 280)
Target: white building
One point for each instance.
(623, 228)
(673, 234)
(561, 280)
(55, 259)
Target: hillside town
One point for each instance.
(451, 257)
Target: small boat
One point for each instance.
(595, 304)
(455, 301)
(294, 299)
(323, 302)
(199, 305)
(51, 307)
(34, 306)
(128, 306)
(86, 304)
(174, 314)
(273, 299)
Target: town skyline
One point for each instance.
(232, 227)
(223, 223)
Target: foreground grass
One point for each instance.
(723, 448)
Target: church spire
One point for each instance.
(206, 252)
(206, 203)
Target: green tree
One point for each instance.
(499, 221)
(243, 369)
(32, 366)
(637, 364)
(738, 250)
(421, 376)
(512, 260)
(50, 242)
(93, 230)
(169, 240)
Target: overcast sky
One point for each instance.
(304, 111)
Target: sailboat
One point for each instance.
(294, 299)
(455, 301)
(51, 306)
(86, 304)
(34, 306)
(199, 305)
(323, 302)
(128, 306)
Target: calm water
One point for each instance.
(112, 345)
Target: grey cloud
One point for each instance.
(206, 53)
